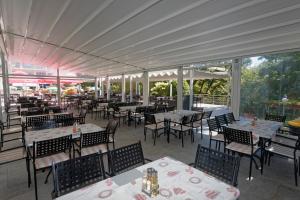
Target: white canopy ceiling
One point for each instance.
(110, 37)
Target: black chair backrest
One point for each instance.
(44, 125)
(76, 173)
(126, 158)
(59, 118)
(212, 125)
(199, 109)
(52, 146)
(112, 127)
(94, 138)
(230, 118)
(83, 113)
(221, 120)
(197, 117)
(238, 136)
(36, 119)
(149, 118)
(207, 114)
(277, 118)
(217, 164)
(170, 108)
(67, 121)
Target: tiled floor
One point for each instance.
(276, 183)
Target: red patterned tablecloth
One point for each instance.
(176, 181)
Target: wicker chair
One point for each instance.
(126, 158)
(214, 133)
(286, 146)
(241, 142)
(76, 173)
(220, 165)
(45, 153)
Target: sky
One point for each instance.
(255, 61)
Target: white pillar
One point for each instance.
(108, 88)
(58, 88)
(146, 88)
(171, 88)
(100, 86)
(130, 88)
(179, 87)
(123, 83)
(96, 88)
(136, 87)
(191, 88)
(4, 77)
(236, 87)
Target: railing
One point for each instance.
(213, 99)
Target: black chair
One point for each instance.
(46, 152)
(151, 124)
(285, 146)
(196, 121)
(40, 125)
(94, 142)
(214, 133)
(230, 118)
(183, 127)
(36, 119)
(67, 121)
(206, 115)
(80, 119)
(76, 173)
(11, 134)
(242, 142)
(217, 164)
(276, 118)
(221, 121)
(117, 114)
(126, 158)
(111, 130)
(138, 115)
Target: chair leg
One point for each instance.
(155, 134)
(145, 134)
(46, 180)
(296, 171)
(250, 168)
(182, 139)
(262, 154)
(201, 129)
(28, 171)
(35, 184)
(210, 143)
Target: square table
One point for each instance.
(47, 134)
(265, 129)
(176, 181)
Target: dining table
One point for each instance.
(176, 180)
(264, 129)
(47, 134)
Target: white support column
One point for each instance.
(146, 88)
(123, 84)
(179, 87)
(136, 87)
(130, 88)
(96, 88)
(171, 89)
(100, 87)
(4, 77)
(108, 88)
(58, 88)
(236, 87)
(191, 88)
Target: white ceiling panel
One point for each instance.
(111, 37)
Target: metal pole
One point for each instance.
(179, 88)
(58, 88)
